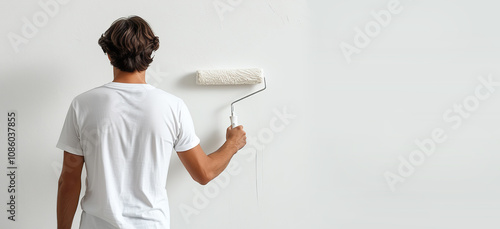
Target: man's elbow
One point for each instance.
(61, 182)
(203, 178)
(65, 181)
(203, 181)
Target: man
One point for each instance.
(124, 133)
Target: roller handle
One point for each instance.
(234, 120)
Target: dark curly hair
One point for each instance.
(129, 42)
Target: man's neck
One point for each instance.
(129, 77)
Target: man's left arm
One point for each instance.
(69, 187)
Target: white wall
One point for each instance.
(327, 132)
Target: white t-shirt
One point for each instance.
(126, 133)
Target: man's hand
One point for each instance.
(203, 168)
(236, 136)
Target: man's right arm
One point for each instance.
(203, 168)
(69, 187)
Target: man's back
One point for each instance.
(126, 133)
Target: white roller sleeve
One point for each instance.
(229, 76)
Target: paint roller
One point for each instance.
(232, 77)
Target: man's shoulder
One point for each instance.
(167, 96)
(90, 93)
(103, 92)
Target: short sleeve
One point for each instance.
(186, 136)
(70, 138)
